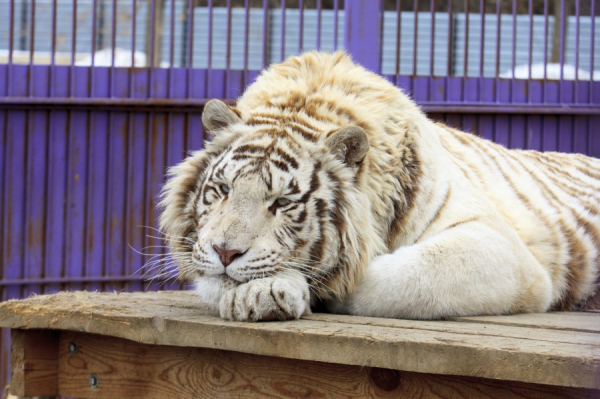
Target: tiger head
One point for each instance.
(266, 195)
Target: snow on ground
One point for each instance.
(122, 58)
(552, 72)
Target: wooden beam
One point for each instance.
(34, 363)
(124, 368)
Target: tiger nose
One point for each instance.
(227, 255)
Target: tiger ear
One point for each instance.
(349, 144)
(218, 115)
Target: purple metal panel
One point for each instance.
(362, 38)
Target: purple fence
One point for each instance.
(92, 112)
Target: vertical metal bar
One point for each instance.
(545, 46)
(514, 46)
(336, 9)
(11, 34)
(301, 39)
(228, 53)
(577, 20)
(133, 29)
(31, 37)
(246, 40)
(190, 42)
(171, 37)
(113, 43)
(265, 8)
(210, 33)
(52, 50)
(94, 32)
(432, 37)
(282, 48)
(450, 38)
(592, 49)
(563, 18)
(152, 39)
(319, 21)
(530, 58)
(73, 48)
(498, 34)
(415, 35)
(466, 58)
(398, 36)
(481, 39)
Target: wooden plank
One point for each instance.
(571, 321)
(34, 363)
(127, 369)
(176, 319)
(469, 328)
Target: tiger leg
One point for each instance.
(469, 269)
(281, 297)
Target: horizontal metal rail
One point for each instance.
(195, 104)
(70, 279)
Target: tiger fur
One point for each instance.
(327, 182)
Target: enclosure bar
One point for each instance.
(577, 19)
(94, 14)
(194, 104)
(431, 39)
(31, 45)
(301, 39)
(11, 37)
(190, 43)
(113, 43)
(336, 9)
(592, 33)
(415, 35)
(133, 29)
(52, 50)
(450, 41)
(73, 48)
(152, 39)
(530, 50)
(514, 48)
(282, 54)
(265, 33)
(545, 46)
(498, 35)
(172, 42)
(398, 36)
(481, 40)
(210, 35)
(562, 44)
(246, 39)
(67, 280)
(228, 50)
(53, 38)
(319, 21)
(171, 49)
(133, 32)
(466, 58)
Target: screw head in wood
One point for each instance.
(93, 380)
(73, 348)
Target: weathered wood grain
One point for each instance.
(34, 360)
(467, 348)
(570, 321)
(127, 369)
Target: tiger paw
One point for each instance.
(271, 298)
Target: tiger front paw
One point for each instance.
(270, 298)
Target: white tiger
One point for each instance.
(326, 181)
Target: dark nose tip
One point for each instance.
(227, 255)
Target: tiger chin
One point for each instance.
(325, 183)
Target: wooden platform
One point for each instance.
(161, 345)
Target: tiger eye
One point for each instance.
(283, 201)
(225, 188)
